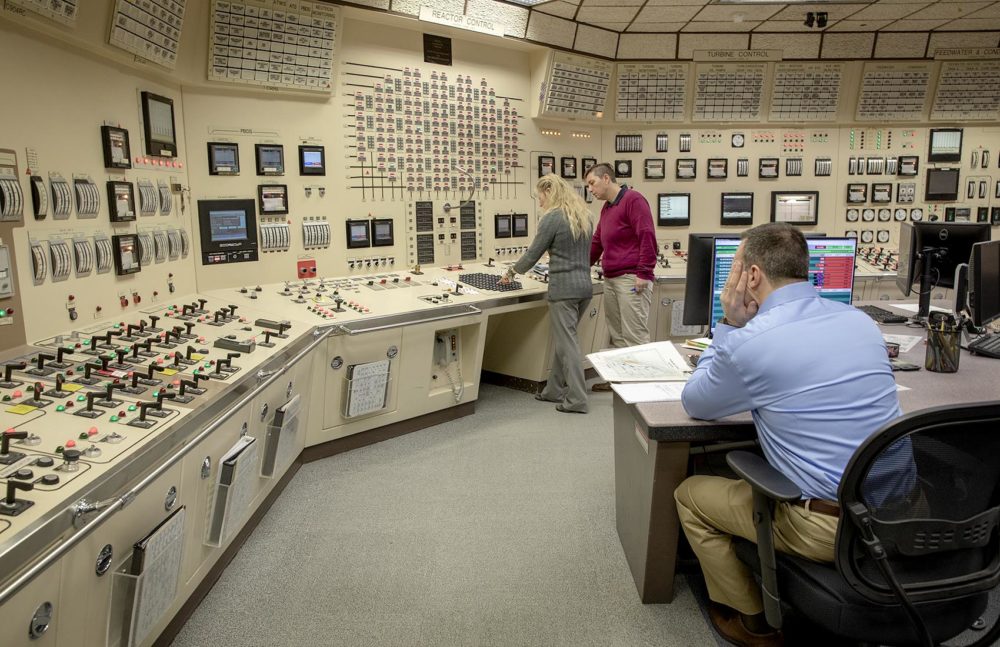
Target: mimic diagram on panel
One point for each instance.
(420, 135)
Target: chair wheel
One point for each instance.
(979, 624)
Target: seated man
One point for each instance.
(815, 375)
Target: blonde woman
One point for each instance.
(564, 232)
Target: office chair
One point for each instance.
(918, 544)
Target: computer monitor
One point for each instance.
(936, 249)
(907, 252)
(984, 283)
(698, 279)
(831, 269)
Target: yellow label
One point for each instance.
(21, 409)
(72, 388)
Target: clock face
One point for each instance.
(852, 215)
(867, 236)
(738, 140)
(884, 215)
(916, 215)
(883, 235)
(899, 215)
(868, 215)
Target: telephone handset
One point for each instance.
(445, 347)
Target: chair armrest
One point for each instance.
(762, 477)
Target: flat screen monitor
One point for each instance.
(938, 248)
(795, 207)
(270, 159)
(831, 269)
(520, 225)
(223, 158)
(984, 283)
(945, 145)
(501, 225)
(359, 234)
(674, 210)
(382, 232)
(698, 279)
(942, 184)
(158, 125)
(737, 209)
(228, 231)
(126, 254)
(312, 160)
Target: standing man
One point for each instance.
(625, 243)
(815, 375)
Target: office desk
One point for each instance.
(653, 443)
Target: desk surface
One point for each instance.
(975, 381)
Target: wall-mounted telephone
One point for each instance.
(446, 347)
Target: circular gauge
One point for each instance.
(737, 140)
(884, 215)
(852, 215)
(868, 215)
(850, 233)
(883, 236)
(916, 215)
(623, 167)
(899, 215)
(867, 236)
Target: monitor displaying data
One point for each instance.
(674, 210)
(831, 269)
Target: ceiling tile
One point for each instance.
(903, 2)
(971, 24)
(884, 11)
(612, 3)
(949, 40)
(656, 3)
(664, 27)
(782, 26)
(859, 25)
(680, 13)
(951, 10)
(550, 30)
(658, 46)
(727, 12)
(889, 45)
(688, 43)
(914, 25)
(988, 12)
(848, 45)
(719, 27)
(596, 41)
(561, 9)
(833, 11)
(600, 15)
(792, 46)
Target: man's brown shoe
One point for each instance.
(730, 626)
(601, 387)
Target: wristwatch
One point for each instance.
(511, 273)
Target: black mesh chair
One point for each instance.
(917, 547)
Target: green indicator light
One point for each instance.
(156, 393)
(83, 436)
(59, 449)
(131, 407)
(60, 408)
(80, 398)
(114, 418)
(3, 313)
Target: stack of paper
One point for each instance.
(656, 362)
(700, 343)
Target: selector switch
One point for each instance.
(50, 479)
(71, 460)
(11, 506)
(8, 371)
(24, 474)
(44, 461)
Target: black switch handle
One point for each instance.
(189, 327)
(153, 319)
(60, 380)
(9, 436)
(87, 368)
(37, 395)
(9, 369)
(121, 353)
(61, 352)
(201, 303)
(109, 389)
(91, 396)
(187, 384)
(12, 488)
(189, 352)
(162, 395)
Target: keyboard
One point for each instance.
(988, 345)
(883, 316)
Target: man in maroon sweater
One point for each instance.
(625, 243)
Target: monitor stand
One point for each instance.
(928, 255)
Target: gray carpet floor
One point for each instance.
(495, 529)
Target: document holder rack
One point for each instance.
(145, 585)
(279, 443)
(235, 488)
(366, 388)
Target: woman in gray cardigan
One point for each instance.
(564, 232)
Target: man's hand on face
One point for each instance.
(737, 304)
(641, 285)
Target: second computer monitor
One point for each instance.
(831, 269)
(935, 251)
(984, 283)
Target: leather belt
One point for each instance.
(819, 505)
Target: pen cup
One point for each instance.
(892, 348)
(943, 348)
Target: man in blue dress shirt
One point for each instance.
(815, 375)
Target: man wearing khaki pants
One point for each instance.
(625, 243)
